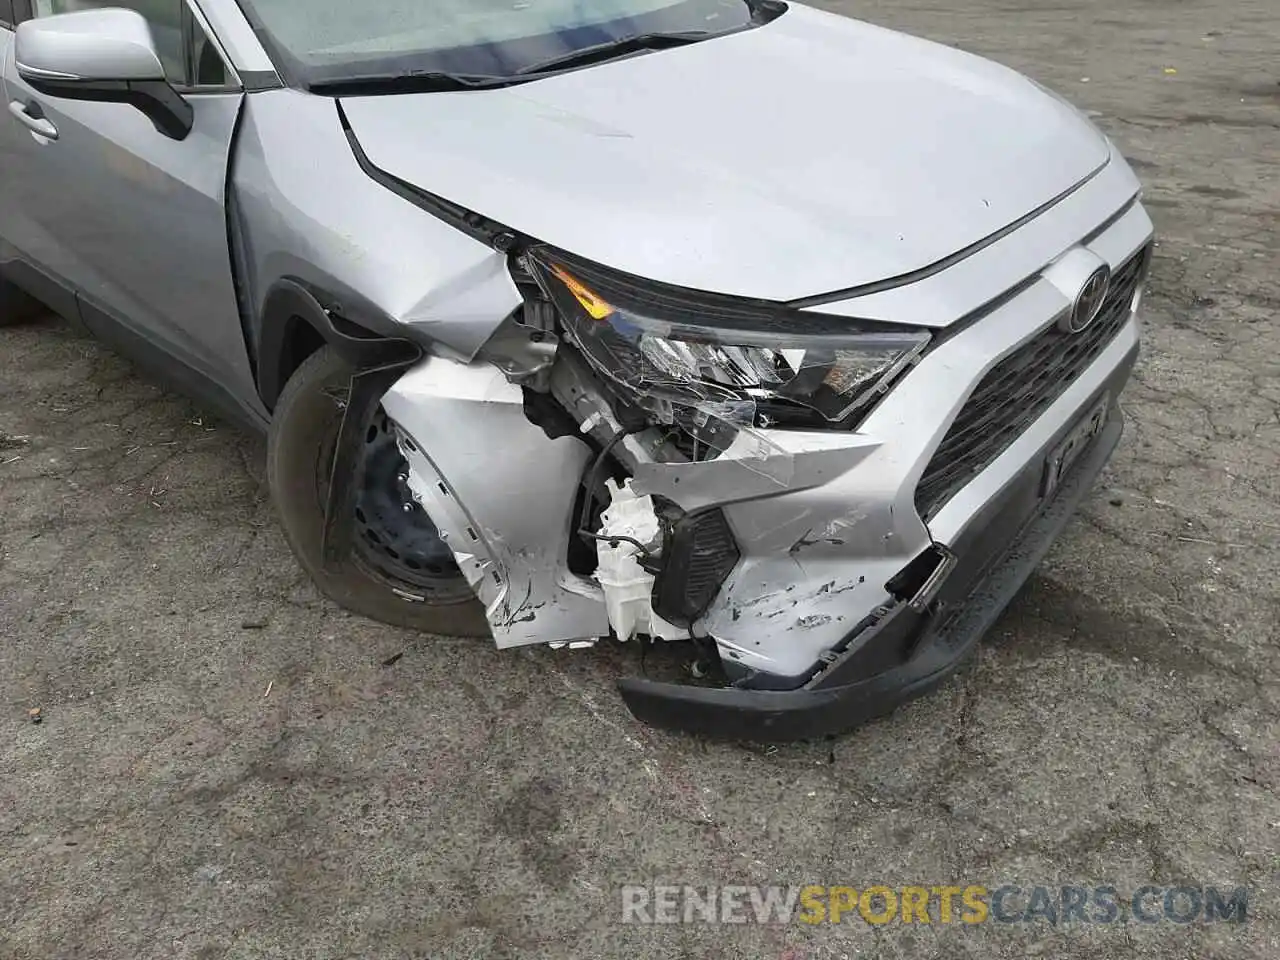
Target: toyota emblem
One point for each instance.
(1088, 301)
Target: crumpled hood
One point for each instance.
(812, 154)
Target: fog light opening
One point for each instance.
(918, 582)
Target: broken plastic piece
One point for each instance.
(571, 644)
(628, 587)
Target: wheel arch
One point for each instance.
(297, 319)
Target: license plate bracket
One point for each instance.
(1070, 447)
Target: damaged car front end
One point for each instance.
(660, 354)
(674, 434)
(833, 508)
(826, 455)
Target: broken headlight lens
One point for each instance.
(746, 365)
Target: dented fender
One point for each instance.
(303, 214)
(501, 493)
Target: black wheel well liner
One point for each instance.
(296, 320)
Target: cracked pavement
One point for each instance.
(229, 766)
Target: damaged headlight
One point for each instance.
(746, 364)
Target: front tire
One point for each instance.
(373, 580)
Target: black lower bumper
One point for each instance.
(905, 653)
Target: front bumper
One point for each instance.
(995, 558)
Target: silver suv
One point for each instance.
(726, 322)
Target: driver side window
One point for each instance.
(190, 58)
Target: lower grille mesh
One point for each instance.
(1019, 389)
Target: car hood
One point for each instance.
(812, 154)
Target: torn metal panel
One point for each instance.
(757, 464)
(501, 493)
(814, 556)
(460, 311)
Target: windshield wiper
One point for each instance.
(613, 48)
(424, 81)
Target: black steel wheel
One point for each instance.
(399, 571)
(395, 536)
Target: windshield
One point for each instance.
(321, 40)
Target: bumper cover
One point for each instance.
(920, 650)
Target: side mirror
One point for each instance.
(104, 55)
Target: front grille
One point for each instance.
(1018, 389)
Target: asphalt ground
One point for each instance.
(229, 766)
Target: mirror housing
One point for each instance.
(102, 55)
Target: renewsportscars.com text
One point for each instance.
(880, 904)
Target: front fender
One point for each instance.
(303, 214)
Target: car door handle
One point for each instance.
(33, 118)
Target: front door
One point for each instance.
(129, 218)
(21, 264)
